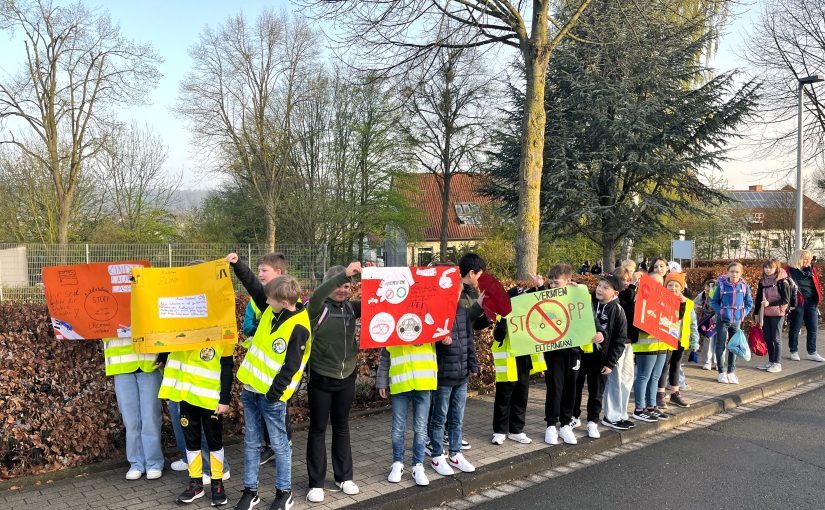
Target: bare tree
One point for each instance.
(240, 95)
(77, 67)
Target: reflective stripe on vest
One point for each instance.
(505, 362)
(413, 367)
(120, 358)
(267, 354)
(194, 377)
(685, 340)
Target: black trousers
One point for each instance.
(560, 378)
(330, 400)
(591, 371)
(670, 373)
(192, 419)
(510, 406)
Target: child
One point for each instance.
(732, 302)
(411, 373)
(773, 294)
(562, 372)
(649, 357)
(271, 372)
(704, 310)
(620, 379)
(675, 283)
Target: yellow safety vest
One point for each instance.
(120, 358)
(255, 308)
(413, 367)
(267, 353)
(648, 343)
(505, 362)
(685, 339)
(194, 376)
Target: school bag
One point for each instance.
(738, 346)
(794, 292)
(756, 341)
(707, 327)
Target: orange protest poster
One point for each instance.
(90, 301)
(657, 311)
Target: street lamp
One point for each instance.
(816, 78)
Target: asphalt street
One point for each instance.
(766, 459)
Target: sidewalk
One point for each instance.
(372, 454)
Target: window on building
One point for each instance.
(469, 213)
(757, 217)
(775, 241)
(735, 243)
(425, 256)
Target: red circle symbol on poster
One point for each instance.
(548, 321)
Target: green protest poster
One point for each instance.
(551, 319)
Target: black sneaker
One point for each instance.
(643, 415)
(627, 423)
(249, 498)
(428, 448)
(617, 425)
(659, 414)
(266, 454)
(193, 491)
(464, 444)
(218, 494)
(283, 500)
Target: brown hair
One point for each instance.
(560, 271)
(775, 264)
(275, 260)
(624, 273)
(283, 288)
(734, 264)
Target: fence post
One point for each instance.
(170, 255)
(88, 261)
(249, 253)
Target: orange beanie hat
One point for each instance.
(676, 277)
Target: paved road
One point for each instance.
(770, 458)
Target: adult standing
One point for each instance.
(803, 272)
(331, 386)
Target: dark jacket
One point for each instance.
(782, 286)
(627, 300)
(334, 344)
(808, 282)
(612, 323)
(458, 360)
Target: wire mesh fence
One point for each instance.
(21, 265)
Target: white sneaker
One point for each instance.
(593, 430)
(551, 435)
(315, 495)
(348, 487)
(732, 378)
(815, 357)
(206, 479)
(706, 366)
(419, 475)
(567, 435)
(179, 465)
(226, 475)
(575, 422)
(134, 474)
(795, 356)
(459, 462)
(521, 437)
(395, 472)
(723, 378)
(775, 368)
(499, 438)
(439, 463)
(764, 366)
(153, 474)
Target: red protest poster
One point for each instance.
(657, 311)
(89, 301)
(407, 305)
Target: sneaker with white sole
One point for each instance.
(815, 357)
(615, 425)
(315, 495)
(706, 366)
(134, 474)
(567, 435)
(226, 475)
(498, 438)
(179, 465)
(439, 464)
(521, 437)
(643, 415)
(249, 499)
(194, 490)
(775, 368)
(575, 422)
(593, 430)
(396, 471)
(464, 444)
(348, 487)
(732, 378)
(419, 475)
(428, 449)
(723, 378)
(459, 462)
(551, 435)
(764, 366)
(795, 356)
(153, 474)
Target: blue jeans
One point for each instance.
(724, 332)
(137, 399)
(646, 381)
(180, 441)
(448, 406)
(255, 407)
(807, 314)
(420, 400)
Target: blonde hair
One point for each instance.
(283, 288)
(630, 264)
(624, 273)
(796, 259)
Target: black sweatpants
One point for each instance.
(591, 371)
(195, 421)
(560, 378)
(670, 373)
(510, 406)
(330, 400)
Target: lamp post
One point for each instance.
(799, 191)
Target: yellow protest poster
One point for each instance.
(183, 308)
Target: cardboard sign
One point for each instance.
(407, 305)
(657, 311)
(183, 308)
(90, 301)
(551, 319)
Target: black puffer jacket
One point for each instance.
(458, 360)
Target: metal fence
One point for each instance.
(21, 264)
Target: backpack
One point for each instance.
(794, 292)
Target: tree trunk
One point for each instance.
(445, 203)
(270, 232)
(608, 253)
(532, 160)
